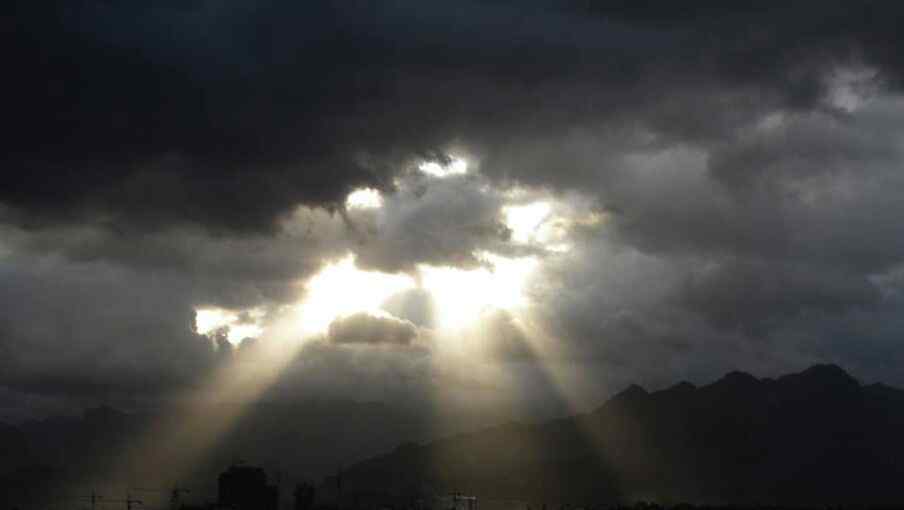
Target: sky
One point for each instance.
(521, 205)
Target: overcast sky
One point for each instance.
(531, 203)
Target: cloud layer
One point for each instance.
(723, 187)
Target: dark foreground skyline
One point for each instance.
(809, 439)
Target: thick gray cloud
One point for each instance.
(440, 222)
(225, 270)
(767, 251)
(149, 115)
(96, 329)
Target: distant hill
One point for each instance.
(811, 438)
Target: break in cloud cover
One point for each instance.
(526, 204)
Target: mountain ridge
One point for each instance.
(809, 438)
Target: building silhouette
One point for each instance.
(246, 488)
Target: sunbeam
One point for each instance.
(197, 420)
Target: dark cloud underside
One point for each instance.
(229, 114)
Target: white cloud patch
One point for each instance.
(236, 325)
(372, 329)
(454, 166)
(364, 198)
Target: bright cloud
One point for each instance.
(463, 295)
(341, 289)
(364, 198)
(238, 325)
(454, 167)
(525, 220)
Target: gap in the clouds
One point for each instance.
(235, 325)
(340, 288)
(364, 198)
(461, 295)
(526, 220)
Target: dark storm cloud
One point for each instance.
(96, 330)
(231, 271)
(756, 297)
(156, 156)
(229, 114)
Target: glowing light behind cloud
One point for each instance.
(455, 167)
(340, 289)
(364, 198)
(463, 295)
(525, 220)
(195, 421)
(209, 320)
(549, 223)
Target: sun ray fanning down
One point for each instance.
(465, 302)
(197, 420)
(194, 422)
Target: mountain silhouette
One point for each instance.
(811, 438)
